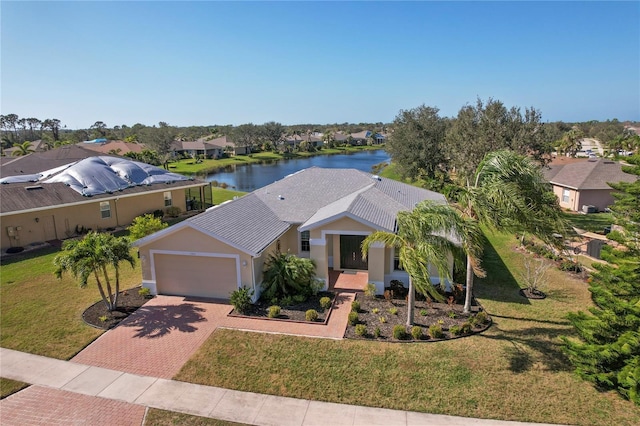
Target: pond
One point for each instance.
(250, 177)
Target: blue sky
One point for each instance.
(203, 63)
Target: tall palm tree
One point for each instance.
(92, 255)
(23, 148)
(430, 234)
(509, 194)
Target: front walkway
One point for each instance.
(160, 337)
(72, 393)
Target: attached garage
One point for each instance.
(210, 275)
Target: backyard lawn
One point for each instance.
(593, 222)
(513, 371)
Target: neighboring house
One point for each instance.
(99, 192)
(209, 147)
(322, 214)
(36, 146)
(114, 147)
(46, 160)
(362, 138)
(584, 183)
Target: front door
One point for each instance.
(351, 252)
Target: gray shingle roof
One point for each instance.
(309, 197)
(589, 174)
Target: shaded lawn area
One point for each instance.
(513, 371)
(593, 222)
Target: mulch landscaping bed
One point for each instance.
(424, 316)
(129, 301)
(536, 294)
(297, 312)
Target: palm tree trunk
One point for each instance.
(411, 301)
(115, 298)
(102, 294)
(108, 283)
(469, 292)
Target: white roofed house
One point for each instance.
(322, 214)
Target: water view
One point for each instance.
(253, 176)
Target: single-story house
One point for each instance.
(36, 162)
(209, 147)
(114, 147)
(100, 192)
(585, 183)
(322, 214)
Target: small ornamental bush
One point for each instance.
(311, 315)
(361, 330)
(173, 211)
(480, 319)
(435, 331)
(375, 310)
(287, 301)
(299, 298)
(353, 318)
(274, 311)
(393, 311)
(355, 306)
(399, 332)
(456, 330)
(416, 332)
(382, 320)
(466, 328)
(103, 318)
(376, 332)
(424, 312)
(451, 314)
(370, 290)
(144, 292)
(241, 299)
(325, 302)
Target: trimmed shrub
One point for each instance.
(370, 290)
(416, 332)
(435, 331)
(466, 328)
(361, 330)
(144, 292)
(399, 332)
(325, 302)
(241, 299)
(311, 315)
(353, 318)
(173, 211)
(480, 319)
(274, 311)
(355, 306)
(376, 332)
(299, 298)
(456, 330)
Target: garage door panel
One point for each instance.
(198, 276)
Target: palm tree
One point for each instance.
(509, 194)
(24, 148)
(427, 236)
(92, 255)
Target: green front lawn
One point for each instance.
(220, 195)
(514, 371)
(41, 314)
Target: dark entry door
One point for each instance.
(351, 252)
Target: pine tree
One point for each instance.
(608, 352)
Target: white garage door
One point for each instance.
(198, 276)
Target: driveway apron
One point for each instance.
(158, 339)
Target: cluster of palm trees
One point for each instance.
(508, 193)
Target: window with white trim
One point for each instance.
(304, 241)
(105, 209)
(167, 199)
(396, 261)
(565, 195)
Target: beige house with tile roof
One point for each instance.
(585, 183)
(322, 214)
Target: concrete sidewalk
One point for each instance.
(101, 384)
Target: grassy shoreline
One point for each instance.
(190, 167)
